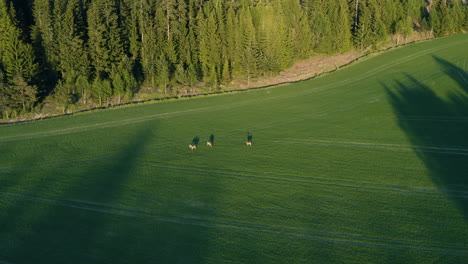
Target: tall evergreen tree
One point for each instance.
(42, 35)
(105, 38)
(72, 52)
(249, 47)
(210, 45)
(16, 57)
(149, 42)
(122, 44)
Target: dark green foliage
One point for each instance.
(178, 43)
(447, 17)
(104, 32)
(63, 95)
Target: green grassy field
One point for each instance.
(365, 165)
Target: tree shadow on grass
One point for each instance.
(438, 129)
(85, 223)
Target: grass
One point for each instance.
(365, 165)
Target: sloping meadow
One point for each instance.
(365, 165)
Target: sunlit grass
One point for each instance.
(339, 172)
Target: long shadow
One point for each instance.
(86, 224)
(60, 228)
(441, 123)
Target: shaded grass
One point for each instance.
(345, 168)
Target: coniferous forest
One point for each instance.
(98, 52)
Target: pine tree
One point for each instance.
(457, 15)
(163, 72)
(119, 86)
(130, 14)
(210, 46)
(438, 18)
(343, 34)
(249, 51)
(104, 32)
(465, 22)
(101, 90)
(319, 23)
(22, 95)
(405, 27)
(63, 95)
(193, 68)
(363, 36)
(389, 17)
(274, 44)
(19, 61)
(83, 86)
(43, 38)
(72, 53)
(122, 44)
(16, 56)
(149, 43)
(123, 81)
(298, 28)
(232, 43)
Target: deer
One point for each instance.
(192, 147)
(248, 143)
(209, 144)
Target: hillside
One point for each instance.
(67, 55)
(364, 165)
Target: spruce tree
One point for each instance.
(210, 45)
(83, 86)
(298, 28)
(344, 28)
(163, 70)
(457, 15)
(16, 56)
(118, 87)
(232, 42)
(72, 52)
(105, 39)
(43, 38)
(249, 48)
(149, 43)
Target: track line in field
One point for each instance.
(258, 228)
(450, 119)
(265, 126)
(84, 128)
(376, 70)
(15, 193)
(273, 177)
(128, 121)
(110, 124)
(167, 114)
(280, 177)
(369, 145)
(320, 114)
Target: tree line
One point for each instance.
(92, 52)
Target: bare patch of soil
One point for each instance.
(301, 70)
(318, 64)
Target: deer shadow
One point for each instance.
(249, 137)
(195, 141)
